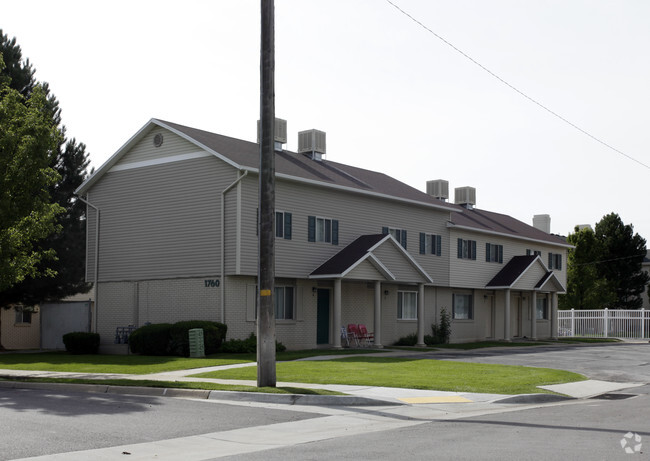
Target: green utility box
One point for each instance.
(197, 348)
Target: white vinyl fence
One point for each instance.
(605, 323)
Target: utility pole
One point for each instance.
(266, 271)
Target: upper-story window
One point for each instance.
(430, 244)
(533, 252)
(555, 261)
(466, 249)
(398, 234)
(493, 253)
(322, 230)
(283, 224)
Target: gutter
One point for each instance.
(222, 298)
(96, 262)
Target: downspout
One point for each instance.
(96, 262)
(222, 298)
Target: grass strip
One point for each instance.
(179, 385)
(414, 374)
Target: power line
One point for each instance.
(609, 260)
(512, 87)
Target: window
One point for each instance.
(282, 224)
(493, 253)
(541, 309)
(466, 249)
(284, 303)
(322, 230)
(430, 244)
(398, 234)
(533, 252)
(555, 261)
(407, 305)
(23, 315)
(462, 307)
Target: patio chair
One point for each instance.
(353, 333)
(345, 338)
(365, 336)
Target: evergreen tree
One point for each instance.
(621, 256)
(70, 161)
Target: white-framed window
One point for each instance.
(283, 224)
(430, 244)
(533, 252)
(23, 315)
(398, 234)
(466, 249)
(284, 303)
(462, 308)
(493, 253)
(407, 305)
(541, 310)
(321, 229)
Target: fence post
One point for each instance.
(573, 323)
(606, 319)
(642, 323)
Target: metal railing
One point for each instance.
(605, 323)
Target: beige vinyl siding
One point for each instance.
(477, 273)
(392, 258)
(149, 229)
(357, 215)
(530, 278)
(173, 145)
(365, 271)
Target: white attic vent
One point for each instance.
(312, 142)
(438, 188)
(280, 135)
(465, 196)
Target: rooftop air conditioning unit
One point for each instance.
(465, 196)
(280, 128)
(312, 142)
(438, 188)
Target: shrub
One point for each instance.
(79, 342)
(247, 346)
(213, 335)
(408, 340)
(151, 339)
(441, 332)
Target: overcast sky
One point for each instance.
(391, 96)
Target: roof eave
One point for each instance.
(504, 234)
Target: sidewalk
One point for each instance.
(355, 395)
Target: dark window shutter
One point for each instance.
(558, 262)
(501, 253)
(460, 248)
(550, 260)
(473, 249)
(423, 244)
(487, 252)
(279, 224)
(287, 226)
(335, 232)
(438, 245)
(403, 238)
(311, 228)
(328, 230)
(528, 252)
(384, 230)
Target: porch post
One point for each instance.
(533, 317)
(554, 315)
(420, 315)
(377, 325)
(506, 317)
(337, 314)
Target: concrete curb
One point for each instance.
(534, 398)
(286, 399)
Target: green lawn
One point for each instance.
(141, 364)
(415, 374)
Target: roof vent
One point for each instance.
(280, 135)
(542, 222)
(465, 196)
(438, 188)
(312, 142)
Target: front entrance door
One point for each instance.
(323, 317)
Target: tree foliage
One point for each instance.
(604, 268)
(28, 143)
(70, 161)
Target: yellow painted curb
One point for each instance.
(439, 399)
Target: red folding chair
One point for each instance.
(366, 336)
(353, 333)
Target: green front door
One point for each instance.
(323, 317)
